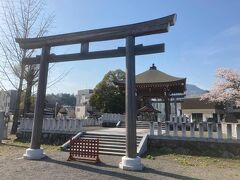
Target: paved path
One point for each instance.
(56, 166)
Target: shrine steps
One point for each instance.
(141, 125)
(109, 144)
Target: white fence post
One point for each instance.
(219, 130)
(61, 124)
(201, 132)
(229, 131)
(218, 118)
(175, 119)
(151, 128)
(167, 128)
(175, 128)
(29, 123)
(75, 125)
(184, 119)
(44, 124)
(210, 130)
(51, 124)
(159, 128)
(55, 124)
(192, 129)
(48, 124)
(67, 124)
(183, 129)
(72, 125)
(80, 124)
(21, 126)
(25, 125)
(69, 127)
(180, 119)
(238, 131)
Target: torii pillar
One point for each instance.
(131, 161)
(35, 151)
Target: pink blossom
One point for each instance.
(226, 88)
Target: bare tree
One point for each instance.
(21, 19)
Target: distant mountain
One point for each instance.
(193, 90)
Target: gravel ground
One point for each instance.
(56, 166)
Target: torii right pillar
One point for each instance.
(130, 161)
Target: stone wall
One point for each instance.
(191, 147)
(47, 138)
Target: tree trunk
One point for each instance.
(28, 98)
(18, 101)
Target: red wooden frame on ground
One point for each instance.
(84, 149)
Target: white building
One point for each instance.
(82, 103)
(8, 100)
(201, 111)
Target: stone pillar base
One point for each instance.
(131, 164)
(33, 154)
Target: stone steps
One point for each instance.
(113, 143)
(107, 139)
(112, 153)
(110, 144)
(113, 149)
(108, 136)
(141, 125)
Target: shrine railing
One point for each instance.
(204, 130)
(58, 125)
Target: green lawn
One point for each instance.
(195, 161)
(7, 145)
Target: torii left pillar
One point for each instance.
(130, 161)
(35, 151)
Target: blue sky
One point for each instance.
(206, 36)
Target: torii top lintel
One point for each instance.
(156, 26)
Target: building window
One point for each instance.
(197, 117)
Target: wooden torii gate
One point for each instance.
(129, 32)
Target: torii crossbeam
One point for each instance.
(131, 161)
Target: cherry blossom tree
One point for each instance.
(226, 88)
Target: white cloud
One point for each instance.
(228, 33)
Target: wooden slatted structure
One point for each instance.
(84, 149)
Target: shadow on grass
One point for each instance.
(97, 168)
